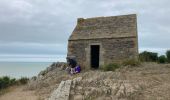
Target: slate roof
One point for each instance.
(122, 26)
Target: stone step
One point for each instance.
(62, 92)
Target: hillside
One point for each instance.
(149, 81)
(18, 93)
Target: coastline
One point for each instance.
(22, 69)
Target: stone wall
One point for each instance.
(110, 50)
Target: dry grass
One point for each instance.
(4, 91)
(18, 93)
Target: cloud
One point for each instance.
(32, 52)
(32, 48)
(31, 58)
(50, 22)
(13, 10)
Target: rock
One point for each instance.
(62, 92)
(78, 97)
(124, 84)
(52, 67)
(76, 81)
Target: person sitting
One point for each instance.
(72, 64)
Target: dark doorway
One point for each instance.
(95, 56)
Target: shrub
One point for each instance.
(162, 59)
(148, 56)
(6, 82)
(13, 81)
(110, 67)
(131, 62)
(23, 80)
(168, 55)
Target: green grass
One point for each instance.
(110, 67)
(131, 62)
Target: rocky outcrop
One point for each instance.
(48, 79)
(52, 67)
(88, 89)
(146, 82)
(93, 88)
(62, 92)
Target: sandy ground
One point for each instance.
(18, 93)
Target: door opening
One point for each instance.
(95, 56)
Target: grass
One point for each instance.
(110, 67)
(114, 66)
(3, 91)
(131, 62)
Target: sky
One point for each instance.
(38, 30)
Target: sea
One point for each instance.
(22, 69)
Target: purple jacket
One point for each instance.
(77, 69)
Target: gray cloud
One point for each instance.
(49, 22)
(32, 48)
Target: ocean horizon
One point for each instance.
(22, 69)
(24, 65)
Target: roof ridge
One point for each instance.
(107, 16)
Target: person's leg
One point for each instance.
(67, 70)
(72, 70)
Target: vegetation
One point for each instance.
(148, 56)
(23, 80)
(7, 82)
(168, 55)
(153, 57)
(162, 59)
(110, 67)
(131, 62)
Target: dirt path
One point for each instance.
(18, 93)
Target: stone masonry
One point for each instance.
(116, 36)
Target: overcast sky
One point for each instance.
(40, 28)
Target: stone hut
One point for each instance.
(103, 40)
